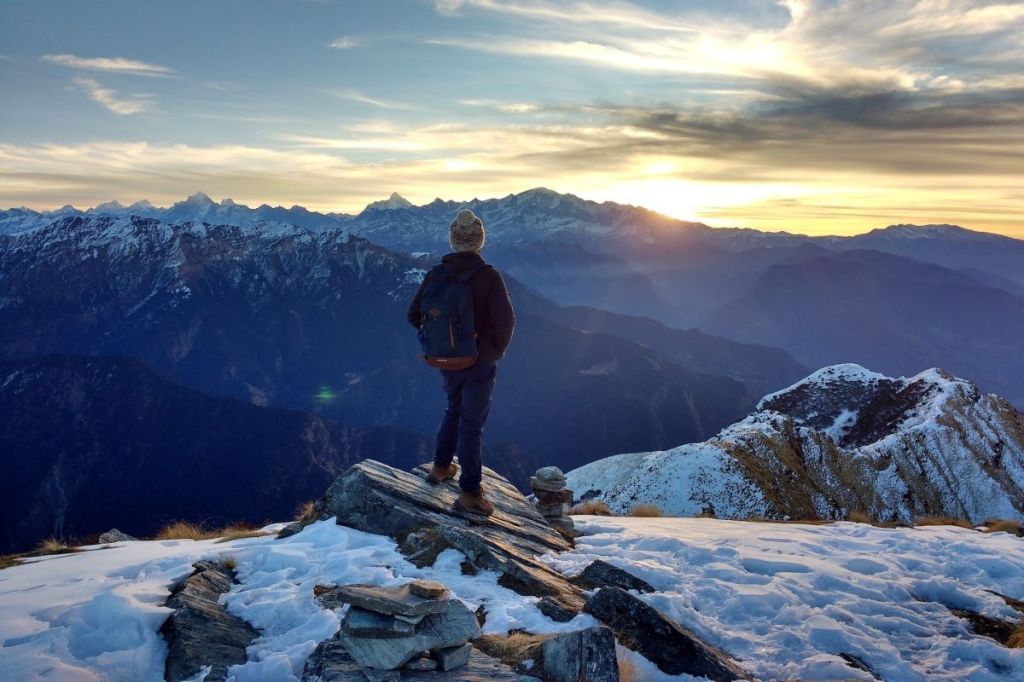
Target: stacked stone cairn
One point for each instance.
(552, 500)
(416, 626)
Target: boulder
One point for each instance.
(582, 655)
(114, 535)
(674, 648)
(429, 589)
(330, 662)
(603, 574)
(454, 627)
(200, 632)
(377, 498)
(386, 600)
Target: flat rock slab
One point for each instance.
(430, 589)
(386, 600)
(456, 626)
(377, 498)
(603, 574)
(331, 663)
(674, 648)
(362, 623)
(201, 632)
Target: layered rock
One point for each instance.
(376, 498)
(200, 632)
(841, 440)
(671, 646)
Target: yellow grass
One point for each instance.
(646, 510)
(1003, 526)
(1016, 640)
(53, 546)
(942, 521)
(628, 671)
(8, 560)
(511, 649)
(186, 530)
(304, 513)
(591, 508)
(858, 516)
(229, 562)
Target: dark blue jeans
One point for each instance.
(461, 431)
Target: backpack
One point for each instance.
(447, 331)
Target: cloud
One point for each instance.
(356, 96)
(504, 107)
(110, 65)
(122, 105)
(345, 43)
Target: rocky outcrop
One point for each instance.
(201, 632)
(376, 498)
(671, 646)
(552, 500)
(114, 535)
(386, 628)
(844, 439)
(602, 574)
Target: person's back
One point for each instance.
(469, 390)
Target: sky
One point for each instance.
(816, 116)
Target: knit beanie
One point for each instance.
(466, 232)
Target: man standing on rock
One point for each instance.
(465, 322)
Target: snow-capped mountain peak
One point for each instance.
(393, 202)
(843, 439)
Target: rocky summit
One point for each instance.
(843, 440)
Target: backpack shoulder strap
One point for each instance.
(468, 274)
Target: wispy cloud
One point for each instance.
(504, 107)
(345, 43)
(110, 65)
(123, 105)
(356, 96)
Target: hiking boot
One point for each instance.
(439, 474)
(474, 503)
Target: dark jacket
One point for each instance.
(493, 316)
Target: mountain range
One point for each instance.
(870, 298)
(843, 440)
(288, 318)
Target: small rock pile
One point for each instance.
(553, 499)
(413, 627)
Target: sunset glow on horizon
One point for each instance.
(810, 116)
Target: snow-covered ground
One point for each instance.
(785, 599)
(788, 599)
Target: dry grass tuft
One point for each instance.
(628, 671)
(646, 510)
(511, 649)
(858, 516)
(1004, 526)
(238, 531)
(591, 508)
(184, 530)
(229, 562)
(304, 512)
(1016, 640)
(53, 546)
(8, 560)
(942, 521)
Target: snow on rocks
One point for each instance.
(788, 601)
(843, 439)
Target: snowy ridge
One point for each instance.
(843, 439)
